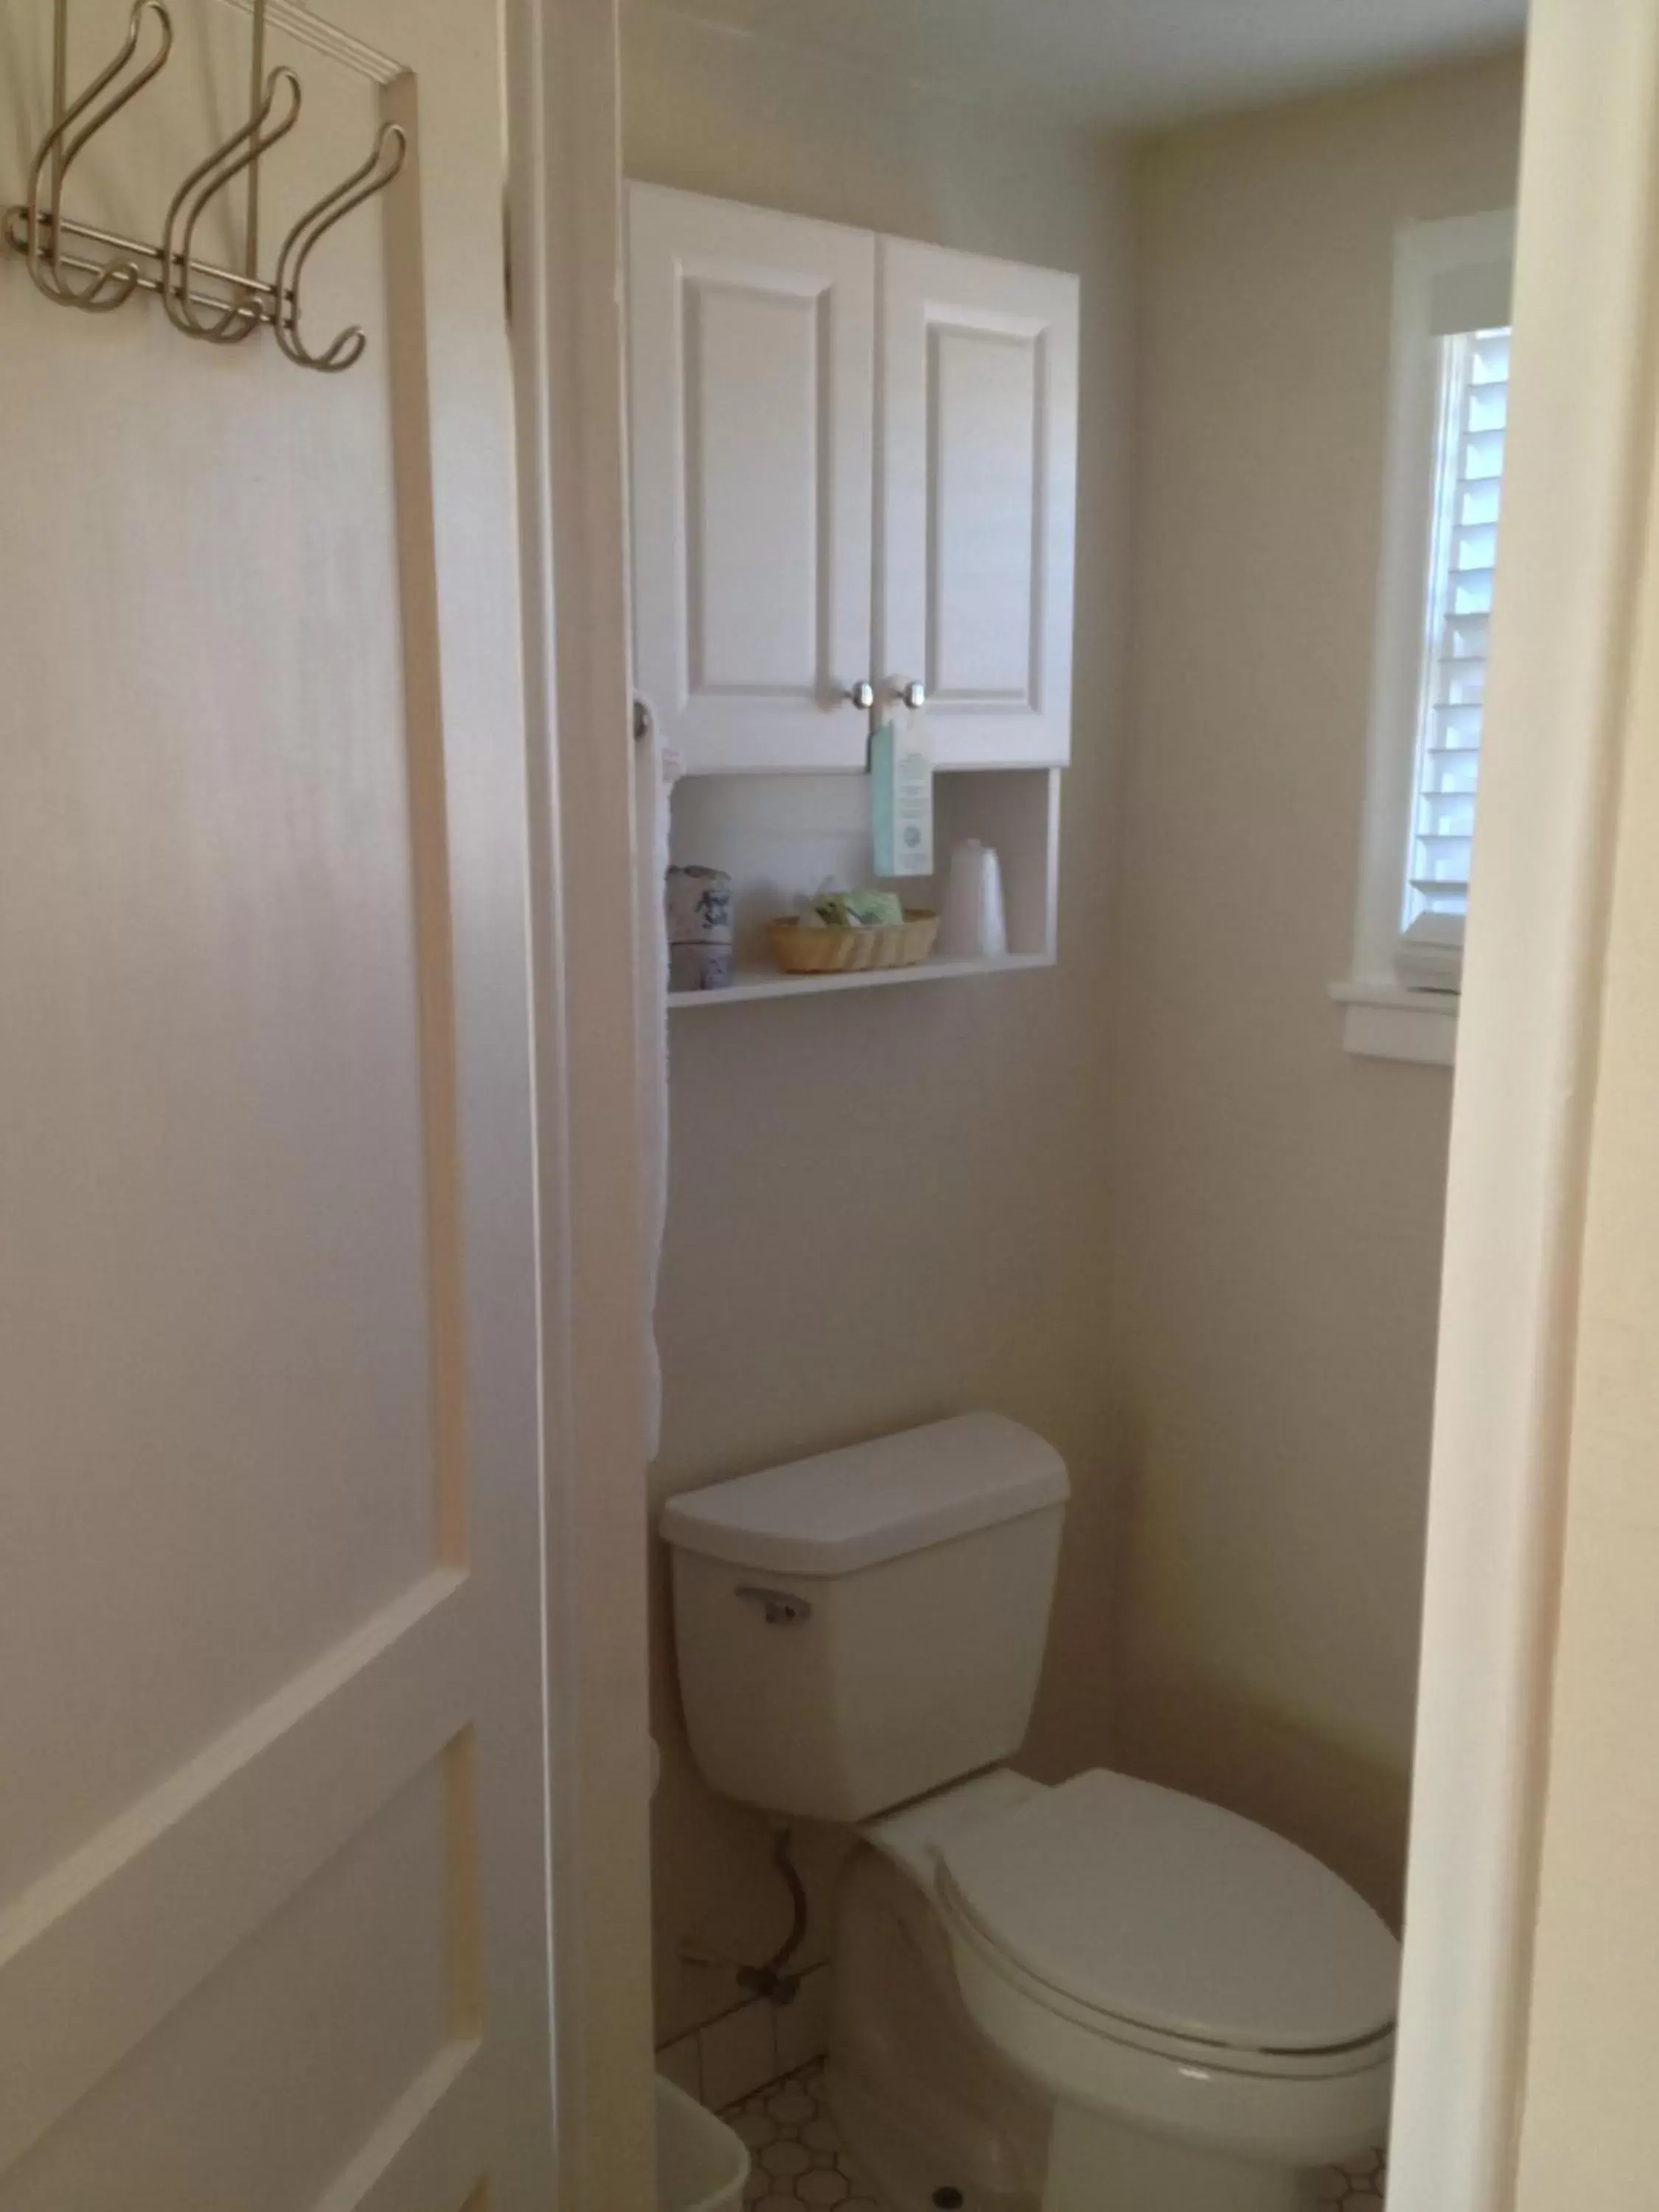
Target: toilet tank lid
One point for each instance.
(845, 1510)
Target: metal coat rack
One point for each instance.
(97, 270)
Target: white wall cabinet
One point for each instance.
(977, 477)
(826, 496)
(751, 352)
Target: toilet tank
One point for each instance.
(856, 1628)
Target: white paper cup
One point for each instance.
(974, 925)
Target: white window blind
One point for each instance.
(1442, 492)
(1474, 370)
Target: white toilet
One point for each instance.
(1099, 1997)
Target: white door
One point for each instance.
(977, 409)
(273, 1922)
(751, 352)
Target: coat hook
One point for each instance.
(244, 149)
(114, 283)
(390, 146)
(231, 303)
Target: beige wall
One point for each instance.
(890, 1205)
(1235, 1355)
(1277, 1237)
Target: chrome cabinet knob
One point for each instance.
(913, 694)
(862, 695)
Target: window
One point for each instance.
(1474, 371)
(1443, 505)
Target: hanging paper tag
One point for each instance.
(902, 793)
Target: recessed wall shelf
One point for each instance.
(769, 984)
(780, 836)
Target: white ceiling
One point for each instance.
(1126, 62)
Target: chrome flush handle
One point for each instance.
(782, 1608)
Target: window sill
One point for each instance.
(1385, 1021)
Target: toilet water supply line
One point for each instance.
(771, 1980)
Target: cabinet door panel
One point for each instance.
(751, 352)
(978, 430)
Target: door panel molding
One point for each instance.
(423, 2156)
(948, 344)
(172, 1886)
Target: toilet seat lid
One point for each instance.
(1177, 1915)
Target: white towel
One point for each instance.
(656, 770)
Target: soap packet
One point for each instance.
(868, 909)
(829, 906)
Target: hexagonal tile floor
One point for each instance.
(800, 2159)
(1356, 2187)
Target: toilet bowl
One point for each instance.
(1200, 2014)
(1101, 1996)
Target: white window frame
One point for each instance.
(1466, 259)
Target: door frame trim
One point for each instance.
(1586, 394)
(565, 257)
(1575, 503)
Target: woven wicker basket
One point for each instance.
(800, 952)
